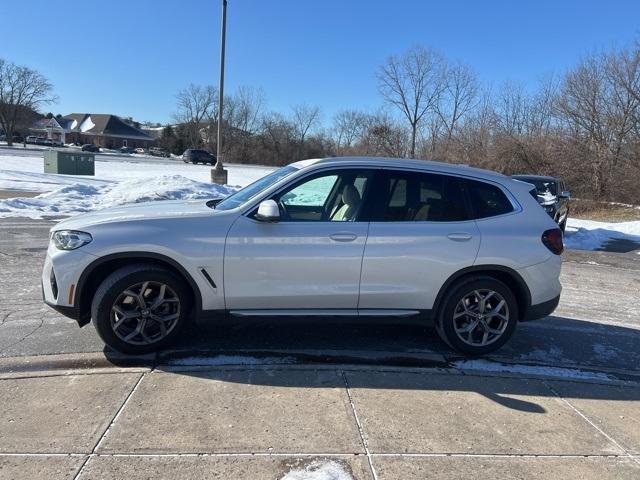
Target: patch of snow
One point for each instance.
(605, 352)
(327, 470)
(591, 235)
(553, 354)
(81, 198)
(116, 182)
(557, 372)
(547, 197)
(232, 360)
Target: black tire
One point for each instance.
(114, 286)
(445, 323)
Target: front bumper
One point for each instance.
(60, 276)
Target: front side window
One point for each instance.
(420, 197)
(335, 196)
(487, 200)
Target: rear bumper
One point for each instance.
(541, 310)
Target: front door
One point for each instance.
(311, 258)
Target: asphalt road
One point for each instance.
(597, 324)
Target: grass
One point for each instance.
(603, 211)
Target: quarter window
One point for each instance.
(420, 197)
(487, 200)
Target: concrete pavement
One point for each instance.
(276, 421)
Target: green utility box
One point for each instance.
(69, 162)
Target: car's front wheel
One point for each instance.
(140, 308)
(478, 315)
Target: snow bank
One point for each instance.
(83, 197)
(328, 470)
(557, 372)
(591, 235)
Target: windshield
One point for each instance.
(247, 193)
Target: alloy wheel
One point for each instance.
(481, 317)
(145, 313)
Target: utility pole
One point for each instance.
(219, 174)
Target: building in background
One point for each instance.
(103, 130)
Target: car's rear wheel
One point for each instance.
(478, 315)
(140, 308)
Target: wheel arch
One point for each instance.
(99, 269)
(506, 275)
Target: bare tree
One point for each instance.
(459, 96)
(413, 83)
(599, 108)
(197, 106)
(348, 126)
(304, 118)
(22, 90)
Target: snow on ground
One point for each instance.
(81, 198)
(26, 172)
(591, 235)
(116, 182)
(231, 360)
(557, 372)
(327, 470)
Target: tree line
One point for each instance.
(582, 125)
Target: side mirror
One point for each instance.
(268, 211)
(566, 194)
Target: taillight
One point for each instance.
(552, 239)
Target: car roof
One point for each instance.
(535, 177)
(426, 165)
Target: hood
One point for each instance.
(138, 211)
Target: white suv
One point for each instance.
(468, 250)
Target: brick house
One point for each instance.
(103, 130)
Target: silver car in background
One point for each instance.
(467, 250)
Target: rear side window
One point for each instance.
(419, 197)
(487, 200)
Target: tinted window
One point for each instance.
(487, 200)
(419, 197)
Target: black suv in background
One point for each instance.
(195, 155)
(552, 195)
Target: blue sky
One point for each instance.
(131, 57)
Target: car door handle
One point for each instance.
(343, 237)
(460, 237)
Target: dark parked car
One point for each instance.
(159, 152)
(90, 147)
(552, 194)
(126, 150)
(195, 155)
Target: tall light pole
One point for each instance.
(219, 174)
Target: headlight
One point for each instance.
(70, 239)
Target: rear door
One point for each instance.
(420, 234)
